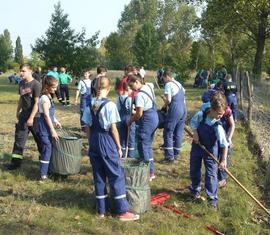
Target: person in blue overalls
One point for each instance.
(174, 100)
(228, 124)
(147, 117)
(84, 89)
(230, 89)
(124, 105)
(209, 132)
(47, 121)
(105, 152)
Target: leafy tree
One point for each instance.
(248, 17)
(6, 50)
(146, 46)
(61, 46)
(36, 61)
(116, 54)
(18, 51)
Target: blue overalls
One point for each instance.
(174, 125)
(123, 128)
(85, 101)
(46, 140)
(105, 163)
(222, 175)
(207, 137)
(147, 126)
(230, 93)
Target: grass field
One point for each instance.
(67, 206)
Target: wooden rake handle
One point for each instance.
(230, 174)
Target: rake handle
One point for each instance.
(230, 174)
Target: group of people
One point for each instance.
(204, 77)
(213, 126)
(110, 128)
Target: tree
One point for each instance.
(116, 54)
(18, 51)
(249, 17)
(61, 46)
(146, 46)
(6, 50)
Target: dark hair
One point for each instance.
(219, 102)
(134, 78)
(168, 72)
(101, 69)
(48, 81)
(27, 65)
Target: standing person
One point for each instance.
(208, 131)
(27, 115)
(47, 121)
(129, 70)
(84, 89)
(101, 72)
(230, 89)
(55, 74)
(104, 152)
(147, 117)
(37, 74)
(174, 101)
(142, 72)
(228, 125)
(124, 106)
(64, 80)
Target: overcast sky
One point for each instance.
(30, 19)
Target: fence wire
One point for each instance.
(260, 109)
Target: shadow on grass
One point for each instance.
(69, 198)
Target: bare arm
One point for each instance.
(115, 136)
(223, 161)
(167, 100)
(137, 115)
(33, 113)
(232, 128)
(77, 96)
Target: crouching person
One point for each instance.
(105, 152)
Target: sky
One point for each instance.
(30, 19)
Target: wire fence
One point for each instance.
(254, 105)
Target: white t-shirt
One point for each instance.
(81, 86)
(142, 100)
(172, 88)
(43, 99)
(107, 115)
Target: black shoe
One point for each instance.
(14, 164)
(167, 161)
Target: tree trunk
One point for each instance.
(260, 43)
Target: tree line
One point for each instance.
(156, 33)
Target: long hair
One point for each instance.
(48, 81)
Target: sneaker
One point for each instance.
(14, 164)
(198, 198)
(44, 177)
(222, 183)
(128, 216)
(152, 176)
(101, 216)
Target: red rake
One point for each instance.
(160, 198)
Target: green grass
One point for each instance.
(67, 206)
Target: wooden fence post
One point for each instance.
(240, 79)
(249, 111)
